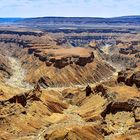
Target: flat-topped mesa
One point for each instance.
(54, 65)
(60, 58)
(21, 32)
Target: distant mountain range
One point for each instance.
(83, 20)
(134, 20)
(10, 20)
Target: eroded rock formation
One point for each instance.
(60, 106)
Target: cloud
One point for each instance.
(102, 8)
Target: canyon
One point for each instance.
(53, 87)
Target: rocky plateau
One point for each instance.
(50, 90)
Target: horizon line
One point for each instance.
(72, 16)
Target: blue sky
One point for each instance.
(72, 8)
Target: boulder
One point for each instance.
(100, 89)
(21, 99)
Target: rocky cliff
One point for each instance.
(110, 111)
(57, 65)
(59, 104)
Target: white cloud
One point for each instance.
(107, 8)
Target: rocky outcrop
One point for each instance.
(52, 76)
(137, 114)
(5, 70)
(63, 61)
(121, 106)
(21, 99)
(122, 77)
(77, 132)
(88, 91)
(129, 51)
(136, 79)
(119, 123)
(129, 78)
(69, 113)
(41, 53)
(78, 60)
(100, 89)
(123, 54)
(67, 109)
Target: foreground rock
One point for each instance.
(76, 132)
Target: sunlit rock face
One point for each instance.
(108, 112)
(49, 91)
(41, 57)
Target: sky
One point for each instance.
(69, 8)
